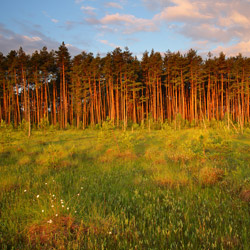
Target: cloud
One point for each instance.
(78, 1)
(10, 40)
(183, 11)
(206, 32)
(88, 10)
(73, 49)
(48, 16)
(218, 23)
(109, 44)
(233, 50)
(54, 20)
(128, 24)
(32, 39)
(113, 5)
(156, 5)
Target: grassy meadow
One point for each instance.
(110, 189)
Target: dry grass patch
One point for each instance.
(10, 187)
(182, 157)
(210, 176)
(230, 242)
(20, 149)
(108, 156)
(112, 154)
(172, 180)
(54, 233)
(63, 164)
(245, 195)
(127, 155)
(160, 162)
(25, 160)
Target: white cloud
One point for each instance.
(54, 20)
(89, 10)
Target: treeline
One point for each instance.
(87, 89)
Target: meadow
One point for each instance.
(114, 189)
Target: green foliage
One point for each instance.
(108, 124)
(23, 126)
(44, 124)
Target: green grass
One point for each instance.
(93, 189)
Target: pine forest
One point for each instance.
(86, 90)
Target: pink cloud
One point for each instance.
(183, 10)
(242, 47)
(106, 42)
(130, 23)
(113, 5)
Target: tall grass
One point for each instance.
(97, 189)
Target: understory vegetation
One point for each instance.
(106, 188)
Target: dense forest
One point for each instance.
(87, 89)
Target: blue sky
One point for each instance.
(99, 26)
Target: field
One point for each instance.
(109, 189)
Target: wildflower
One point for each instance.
(50, 221)
(46, 183)
(67, 208)
(110, 232)
(53, 195)
(56, 215)
(75, 212)
(42, 211)
(37, 196)
(78, 194)
(25, 191)
(62, 205)
(52, 205)
(81, 187)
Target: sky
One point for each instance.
(99, 26)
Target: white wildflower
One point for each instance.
(62, 205)
(52, 205)
(25, 191)
(67, 208)
(56, 215)
(81, 187)
(78, 194)
(50, 221)
(46, 183)
(75, 212)
(110, 232)
(42, 211)
(37, 196)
